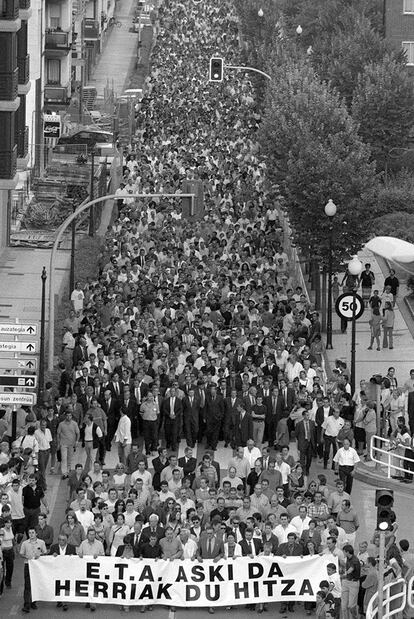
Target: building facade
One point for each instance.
(399, 28)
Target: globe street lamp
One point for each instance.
(330, 211)
(355, 269)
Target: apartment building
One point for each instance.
(399, 27)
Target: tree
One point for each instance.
(399, 224)
(341, 62)
(314, 153)
(383, 105)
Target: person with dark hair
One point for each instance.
(350, 583)
(32, 548)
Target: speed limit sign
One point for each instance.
(349, 303)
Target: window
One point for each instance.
(408, 6)
(408, 47)
(53, 71)
(54, 16)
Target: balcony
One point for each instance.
(8, 85)
(8, 163)
(23, 65)
(23, 143)
(91, 29)
(57, 94)
(9, 9)
(24, 5)
(57, 43)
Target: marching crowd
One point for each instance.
(196, 330)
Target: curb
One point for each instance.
(379, 479)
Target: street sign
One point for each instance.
(344, 306)
(17, 329)
(25, 363)
(25, 347)
(24, 399)
(8, 380)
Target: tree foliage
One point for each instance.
(383, 105)
(399, 224)
(314, 153)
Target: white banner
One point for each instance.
(109, 580)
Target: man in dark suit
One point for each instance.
(153, 528)
(270, 368)
(214, 417)
(242, 429)
(234, 381)
(201, 395)
(305, 435)
(159, 464)
(291, 548)
(172, 409)
(231, 404)
(80, 352)
(239, 360)
(110, 407)
(191, 411)
(288, 397)
(321, 413)
(210, 546)
(188, 464)
(115, 387)
(62, 547)
(250, 546)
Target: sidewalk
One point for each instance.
(119, 55)
(21, 268)
(370, 362)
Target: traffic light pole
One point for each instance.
(381, 575)
(230, 66)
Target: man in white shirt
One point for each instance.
(251, 453)
(142, 473)
(85, 517)
(123, 436)
(189, 546)
(284, 469)
(345, 460)
(44, 438)
(330, 430)
(283, 529)
(301, 522)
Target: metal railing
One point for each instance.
(410, 592)
(389, 598)
(385, 452)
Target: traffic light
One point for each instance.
(384, 501)
(216, 70)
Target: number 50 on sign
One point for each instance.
(349, 303)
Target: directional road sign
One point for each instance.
(8, 380)
(25, 363)
(11, 329)
(27, 347)
(24, 399)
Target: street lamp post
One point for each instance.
(330, 211)
(42, 335)
(354, 268)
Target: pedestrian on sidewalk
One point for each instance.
(388, 325)
(375, 325)
(367, 281)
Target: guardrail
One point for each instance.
(389, 598)
(386, 452)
